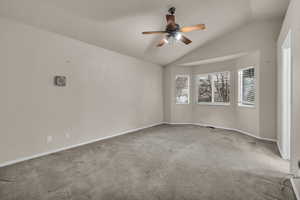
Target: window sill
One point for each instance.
(246, 106)
(214, 104)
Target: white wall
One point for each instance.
(106, 92)
(292, 23)
(258, 36)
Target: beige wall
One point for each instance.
(228, 116)
(106, 92)
(175, 113)
(248, 118)
(220, 115)
(292, 23)
(258, 36)
(96, 102)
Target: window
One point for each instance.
(213, 88)
(204, 88)
(247, 84)
(182, 89)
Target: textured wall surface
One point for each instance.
(106, 92)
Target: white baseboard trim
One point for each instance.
(225, 128)
(296, 191)
(76, 145)
(280, 151)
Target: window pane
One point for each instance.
(248, 86)
(222, 87)
(204, 88)
(182, 89)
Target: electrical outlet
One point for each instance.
(49, 139)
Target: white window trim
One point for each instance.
(188, 77)
(213, 103)
(246, 106)
(240, 89)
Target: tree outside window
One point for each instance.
(214, 88)
(182, 89)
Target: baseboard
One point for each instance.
(126, 132)
(280, 151)
(225, 128)
(296, 191)
(76, 145)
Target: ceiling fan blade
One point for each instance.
(170, 19)
(154, 32)
(162, 42)
(192, 28)
(185, 40)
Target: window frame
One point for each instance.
(242, 103)
(213, 103)
(188, 88)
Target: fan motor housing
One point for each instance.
(171, 30)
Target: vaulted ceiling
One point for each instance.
(117, 24)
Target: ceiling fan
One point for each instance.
(174, 31)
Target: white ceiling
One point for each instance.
(117, 24)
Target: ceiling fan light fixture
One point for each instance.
(178, 36)
(172, 32)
